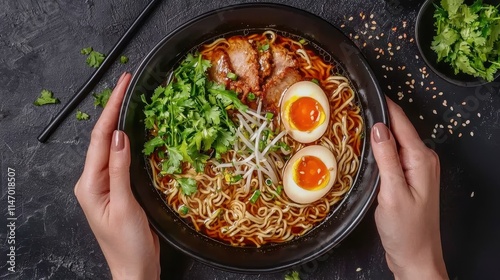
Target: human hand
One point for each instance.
(120, 225)
(407, 215)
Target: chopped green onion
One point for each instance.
(255, 196)
(279, 189)
(268, 182)
(302, 41)
(264, 48)
(236, 178)
(183, 210)
(232, 76)
(251, 96)
(269, 115)
(315, 81)
(284, 146)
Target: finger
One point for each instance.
(392, 178)
(119, 165)
(406, 135)
(98, 152)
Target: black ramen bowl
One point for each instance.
(244, 19)
(424, 34)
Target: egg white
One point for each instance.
(294, 191)
(294, 92)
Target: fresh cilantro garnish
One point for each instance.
(81, 116)
(46, 97)
(468, 37)
(190, 120)
(188, 185)
(101, 99)
(94, 59)
(294, 275)
(123, 59)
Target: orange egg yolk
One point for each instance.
(306, 113)
(311, 173)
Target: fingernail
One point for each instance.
(118, 141)
(121, 78)
(380, 133)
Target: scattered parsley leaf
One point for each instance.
(86, 51)
(46, 97)
(188, 185)
(123, 59)
(263, 48)
(81, 116)
(232, 76)
(101, 99)
(294, 275)
(94, 59)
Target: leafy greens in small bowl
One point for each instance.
(464, 46)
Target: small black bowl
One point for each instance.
(253, 18)
(424, 34)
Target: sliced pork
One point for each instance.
(276, 85)
(244, 61)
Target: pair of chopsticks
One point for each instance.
(97, 75)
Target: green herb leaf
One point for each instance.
(279, 189)
(81, 116)
(46, 97)
(86, 51)
(236, 178)
(467, 37)
(294, 275)
(123, 59)
(264, 47)
(150, 145)
(94, 59)
(101, 99)
(315, 81)
(188, 185)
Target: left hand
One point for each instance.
(120, 225)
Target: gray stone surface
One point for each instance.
(40, 43)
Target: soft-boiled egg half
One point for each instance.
(310, 174)
(305, 111)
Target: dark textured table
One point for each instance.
(40, 44)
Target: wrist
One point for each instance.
(432, 269)
(151, 272)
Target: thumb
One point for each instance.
(119, 165)
(386, 154)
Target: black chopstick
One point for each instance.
(97, 75)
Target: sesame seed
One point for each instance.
(433, 136)
(398, 48)
(366, 25)
(376, 37)
(382, 34)
(409, 74)
(459, 115)
(434, 112)
(445, 103)
(389, 87)
(441, 126)
(373, 27)
(378, 56)
(410, 100)
(471, 133)
(472, 194)
(351, 18)
(434, 97)
(411, 40)
(356, 37)
(478, 115)
(374, 22)
(460, 134)
(440, 93)
(369, 37)
(400, 37)
(342, 26)
(467, 122)
(450, 131)
(358, 269)
(416, 56)
(403, 68)
(371, 16)
(421, 117)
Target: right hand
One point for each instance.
(407, 215)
